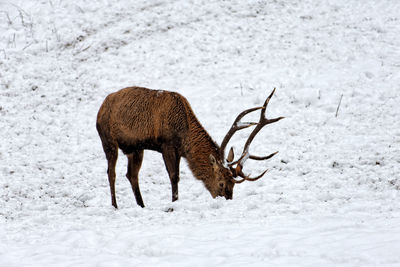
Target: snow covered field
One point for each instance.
(331, 197)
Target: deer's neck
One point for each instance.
(198, 148)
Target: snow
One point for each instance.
(331, 196)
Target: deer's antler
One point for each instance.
(237, 125)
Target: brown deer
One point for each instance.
(135, 118)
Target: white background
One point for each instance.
(331, 197)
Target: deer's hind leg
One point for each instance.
(134, 163)
(111, 152)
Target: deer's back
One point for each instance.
(140, 118)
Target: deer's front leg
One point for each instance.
(172, 160)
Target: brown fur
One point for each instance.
(134, 119)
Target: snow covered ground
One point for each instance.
(331, 197)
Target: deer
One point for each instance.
(135, 119)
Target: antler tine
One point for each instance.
(263, 158)
(263, 121)
(236, 127)
(238, 181)
(262, 115)
(230, 164)
(246, 178)
(236, 161)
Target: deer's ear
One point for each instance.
(231, 155)
(213, 162)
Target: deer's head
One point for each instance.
(223, 179)
(226, 171)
